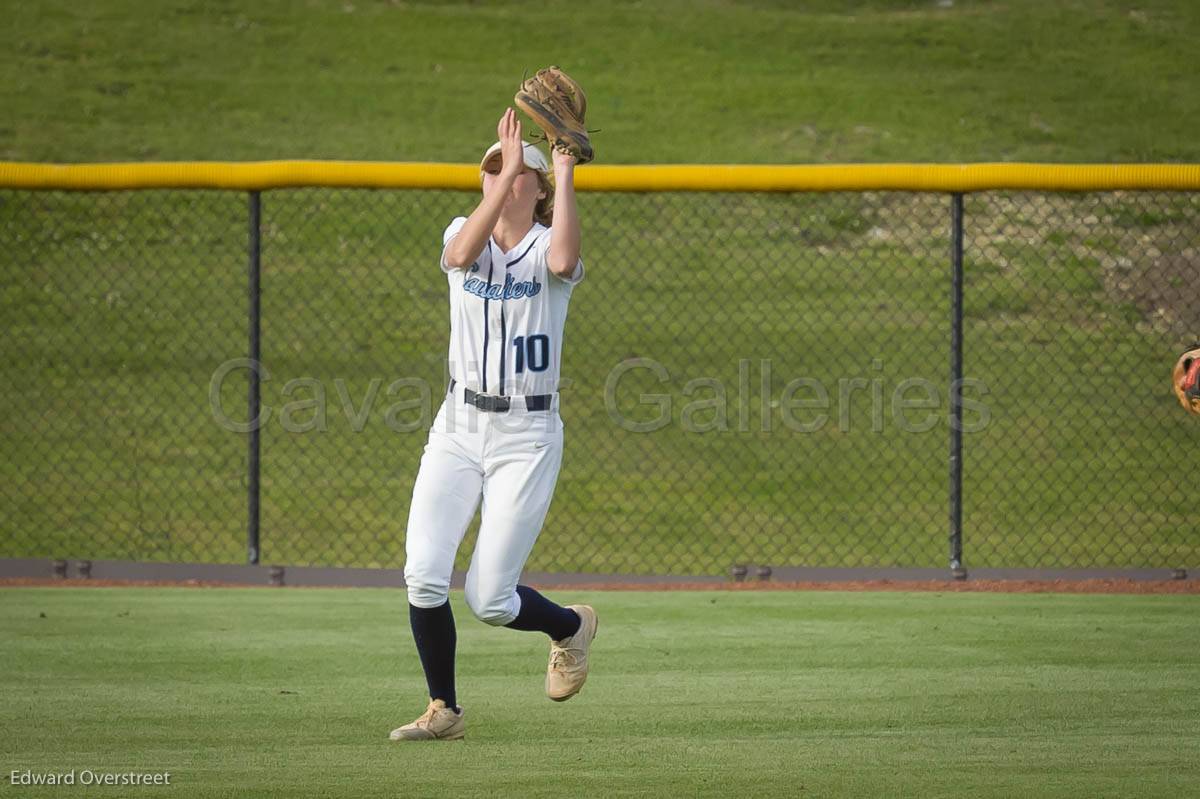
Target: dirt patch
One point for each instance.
(1167, 292)
(994, 586)
(1096, 586)
(57, 582)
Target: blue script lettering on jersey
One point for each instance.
(511, 290)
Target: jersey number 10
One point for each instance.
(534, 349)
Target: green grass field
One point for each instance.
(291, 693)
(116, 309)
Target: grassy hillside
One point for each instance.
(670, 81)
(122, 307)
(116, 309)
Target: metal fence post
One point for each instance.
(255, 399)
(956, 324)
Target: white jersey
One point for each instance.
(507, 313)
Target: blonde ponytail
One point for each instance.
(543, 212)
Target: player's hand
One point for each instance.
(512, 148)
(562, 160)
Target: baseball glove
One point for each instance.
(1187, 379)
(557, 105)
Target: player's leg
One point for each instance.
(445, 495)
(517, 491)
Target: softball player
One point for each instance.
(511, 266)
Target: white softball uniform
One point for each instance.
(507, 313)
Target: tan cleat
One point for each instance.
(568, 668)
(438, 723)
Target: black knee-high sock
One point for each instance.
(540, 614)
(433, 630)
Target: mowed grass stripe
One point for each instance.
(291, 693)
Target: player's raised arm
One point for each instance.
(565, 240)
(464, 248)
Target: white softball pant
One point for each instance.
(511, 461)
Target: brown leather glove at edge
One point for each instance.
(557, 105)
(1186, 379)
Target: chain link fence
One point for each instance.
(748, 378)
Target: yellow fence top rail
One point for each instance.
(262, 175)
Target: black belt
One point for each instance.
(496, 403)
